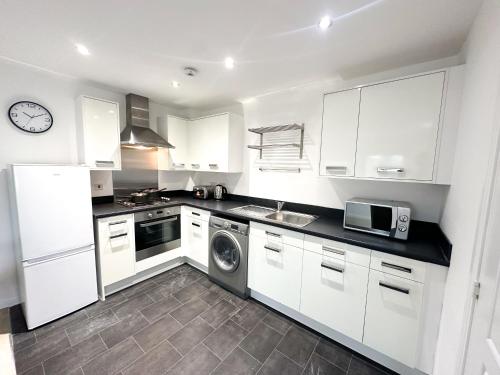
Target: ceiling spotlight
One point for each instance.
(175, 84)
(82, 49)
(190, 71)
(229, 63)
(325, 22)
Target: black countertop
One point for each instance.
(426, 241)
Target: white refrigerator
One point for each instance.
(53, 229)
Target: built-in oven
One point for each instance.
(157, 231)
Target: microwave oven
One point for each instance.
(384, 218)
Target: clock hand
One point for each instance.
(28, 115)
(38, 115)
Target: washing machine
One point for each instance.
(228, 254)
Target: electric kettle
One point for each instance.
(220, 192)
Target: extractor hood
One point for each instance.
(137, 133)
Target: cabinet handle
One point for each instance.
(195, 213)
(179, 165)
(273, 234)
(336, 169)
(333, 268)
(213, 166)
(117, 222)
(158, 222)
(195, 165)
(117, 236)
(333, 250)
(103, 163)
(195, 225)
(272, 249)
(390, 170)
(395, 288)
(396, 267)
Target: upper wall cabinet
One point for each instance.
(99, 133)
(177, 135)
(402, 130)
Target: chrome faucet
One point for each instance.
(280, 205)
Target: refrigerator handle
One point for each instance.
(62, 254)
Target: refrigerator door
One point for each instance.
(56, 286)
(54, 208)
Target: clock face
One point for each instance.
(30, 117)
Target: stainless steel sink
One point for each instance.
(291, 218)
(253, 211)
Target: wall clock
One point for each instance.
(30, 117)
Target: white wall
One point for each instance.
(58, 145)
(461, 211)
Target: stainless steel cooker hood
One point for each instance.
(137, 133)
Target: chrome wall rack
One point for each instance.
(279, 128)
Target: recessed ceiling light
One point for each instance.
(175, 84)
(229, 63)
(325, 22)
(82, 49)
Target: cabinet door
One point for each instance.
(116, 249)
(177, 131)
(101, 133)
(274, 271)
(398, 128)
(197, 233)
(393, 310)
(197, 138)
(339, 133)
(334, 293)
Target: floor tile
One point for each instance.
(199, 361)
(38, 370)
(189, 292)
(155, 362)
(174, 284)
(118, 332)
(360, 367)
(139, 288)
(101, 306)
(157, 332)
(205, 281)
(189, 310)
(60, 324)
(191, 335)
(278, 322)
(44, 348)
(250, 315)
(238, 362)
(225, 338)
(114, 359)
(23, 340)
(334, 353)
(160, 308)
(219, 313)
(277, 364)
(211, 297)
(298, 345)
(261, 341)
(319, 366)
(74, 357)
(132, 305)
(89, 327)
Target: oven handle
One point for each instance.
(158, 222)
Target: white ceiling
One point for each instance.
(141, 46)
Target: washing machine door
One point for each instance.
(225, 251)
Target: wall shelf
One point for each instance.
(278, 128)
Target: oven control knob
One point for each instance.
(403, 218)
(150, 215)
(402, 228)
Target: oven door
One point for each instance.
(153, 237)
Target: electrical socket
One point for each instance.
(99, 186)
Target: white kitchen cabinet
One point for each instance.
(99, 133)
(334, 293)
(175, 130)
(339, 133)
(274, 269)
(115, 249)
(399, 127)
(194, 235)
(393, 316)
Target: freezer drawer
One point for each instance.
(58, 286)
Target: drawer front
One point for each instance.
(275, 271)
(398, 266)
(334, 293)
(196, 213)
(277, 235)
(393, 310)
(339, 250)
(197, 236)
(115, 225)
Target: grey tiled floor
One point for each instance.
(179, 323)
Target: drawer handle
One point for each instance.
(396, 267)
(273, 234)
(272, 249)
(117, 236)
(213, 165)
(99, 163)
(117, 222)
(195, 213)
(390, 170)
(336, 169)
(195, 225)
(333, 268)
(178, 165)
(395, 288)
(195, 165)
(333, 250)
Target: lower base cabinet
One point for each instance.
(334, 293)
(194, 237)
(393, 310)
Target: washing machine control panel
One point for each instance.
(229, 225)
